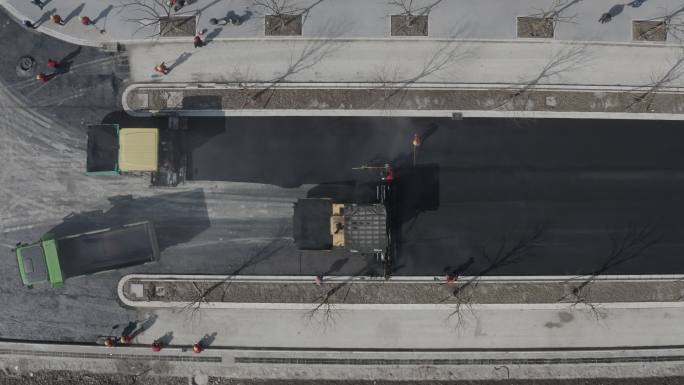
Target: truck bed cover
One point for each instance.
(108, 249)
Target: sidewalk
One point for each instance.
(409, 313)
(311, 76)
(486, 19)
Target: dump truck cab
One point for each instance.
(39, 263)
(53, 260)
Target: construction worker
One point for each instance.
(416, 142)
(389, 173)
(162, 68)
(197, 348)
(198, 41)
(53, 63)
(56, 19)
(42, 77)
(108, 342)
(156, 346)
(85, 20)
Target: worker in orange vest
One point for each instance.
(162, 68)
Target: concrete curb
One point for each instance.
(397, 112)
(343, 306)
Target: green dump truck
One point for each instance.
(55, 259)
(113, 150)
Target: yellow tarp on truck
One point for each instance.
(138, 149)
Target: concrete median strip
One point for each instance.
(399, 293)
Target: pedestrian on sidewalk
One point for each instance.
(56, 19)
(156, 346)
(85, 20)
(198, 41)
(125, 340)
(28, 24)
(42, 76)
(197, 347)
(162, 68)
(53, 63)
(108, 342)
(38, 3)
(318, 280)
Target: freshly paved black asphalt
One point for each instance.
(582, 196)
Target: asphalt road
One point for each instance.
(484, 197)
(502, 197)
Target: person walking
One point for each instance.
(28, 24)
(85, 20)
(56, 19)
(198, 41)
(52, 63)
(197, 347)
(42, 76)
(162, 68)
(156, 346)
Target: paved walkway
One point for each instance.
(486, 19)
(245, 363)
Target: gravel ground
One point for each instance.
(81, 378)
(527, 98)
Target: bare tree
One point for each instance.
(415, 7)
(555, 14)
(204, 290)
(311, 54)
(325, 310)
(508, 253)
(561, 61)
(627, 246)
(671, 24)
(149, 14)
(395, 86)
(286, 11)
(643, 101)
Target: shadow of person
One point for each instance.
(103, 14)
(77, 11)
(211, 35)
(636, 3)
(208, 339)
(66, 62)
(612, 12)
(165, 339)
(144, 325)
(44, 17)
(180, 60)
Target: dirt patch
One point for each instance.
(409, 25)
(535, 27)
(649, 30)
(177, 26)
(283, 25)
